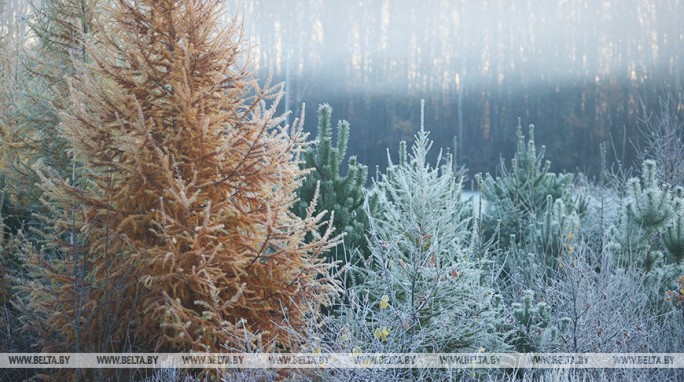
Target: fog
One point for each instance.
(433, 43)
(584, 72)
(576, 68)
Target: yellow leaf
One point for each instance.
(384, 302)
(381, 334)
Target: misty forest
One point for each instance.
(368, 176)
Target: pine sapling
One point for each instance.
(423, 276)
(518, 197)
(343, 194)
(673, 235)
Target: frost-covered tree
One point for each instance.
(5, 252)
(426, 289)
(174, 230)
(518, 197)
(649, 235)
(648, 207)
(536, 331)
(34, 88)
(34, 65)
(673, 234)
(529, 210)
(647, 213)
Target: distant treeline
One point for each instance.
(582, 72)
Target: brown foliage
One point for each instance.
(175, 226)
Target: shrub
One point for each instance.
(609, 307)
(662, 133)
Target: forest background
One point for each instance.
(584, 72)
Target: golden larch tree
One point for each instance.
(174, 230)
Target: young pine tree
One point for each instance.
(426, 289)
(529, 210)
(646, 213)
(174, 231)
(518, 197)
(343, 194)
(652, 220)
(649, 236)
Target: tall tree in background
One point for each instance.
(174, 230)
